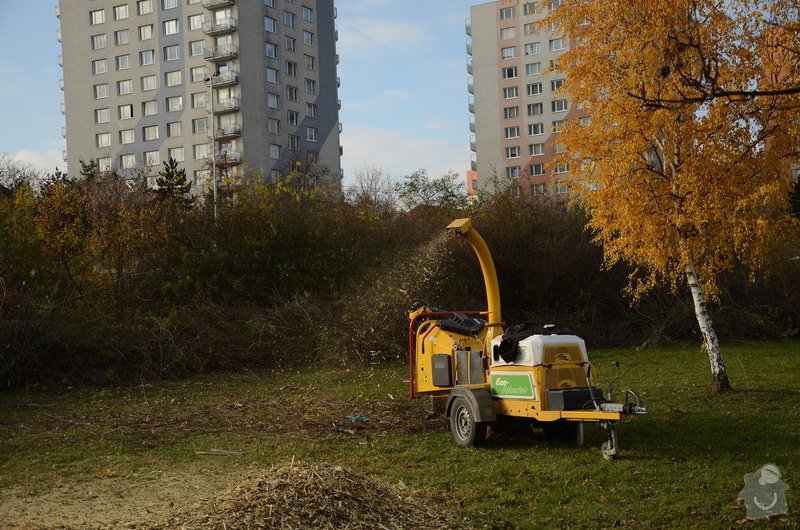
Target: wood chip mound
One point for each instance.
(304, 496)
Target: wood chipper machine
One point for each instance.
(540, 373)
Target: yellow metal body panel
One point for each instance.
(432, 340)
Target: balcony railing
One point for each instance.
(468, 27)
(58, 11)
(63, 132)
(220, 53)
(472, 125)
(211, 4)
(222, 133)
(473, 164)
(60, 60)
(225, 79)
(228, 105)
(231, 157)
(470, 87)
(63, 108)
(220, 26)
(469, 48)
(64, 155)
(472, 105)
(61, 83)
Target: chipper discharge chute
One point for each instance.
(541, 373)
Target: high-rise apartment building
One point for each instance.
(149, 80)
(515, 100)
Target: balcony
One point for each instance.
(471, 88)
(472, 105)
(469, 48)
(225, 79)
(219, 27)
(472, 124)
(63, 132)
(339, 104)
(473, 144)
(58, 35)
(224, 133)
(64, 155)
(58, 11)
(469, 68)
(473, 164)
(61, 60)
(468, 27)
(213, 4)
(63, 108)
(221, 53)
(228, 105)
(61, 83)
(231, 157)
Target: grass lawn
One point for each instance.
(681, 466)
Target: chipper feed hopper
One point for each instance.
(541, 373)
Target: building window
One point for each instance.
(97, 17)
(171, 27)
(271, 50)
(510, 72)
(122, 37)
(124, 87)
(554, 4)
(513, 172)
(173, 78)
(508, 53)
(197, 74)
(289, 43)
(99, 41)
(556, 84)
(512, 152)
(312, 134)
(559, 105)
(272, 100)
(560, 168)
(537, 170)
(150, 133)
(291, 93)
(308, 14)
(510, 92)
(533, 68)
(311, 86)
(151, 158)
(172, 53)
(534, 109)
(121, 12)
(529, 28)
(311, 110)
(269, 3)
(195, 22)
(100, 66)
(529, 8)
(508, 33)
(150, 108)
(557, 125)
(556, 45)
(103, 139)
(176, 154)
(294, 142)
(175, 103)
(308, 38)
(532, 48)
(291, 68)
(310, 62)
(536, 149)
(535, 129)
(169, 4)
(506, 13)
(174, 129)
(274, 126)
(147, 57)
(146, 32)
(198, 100)
(123, 62)
(272, 75)
(196, 48)
(512, 132)
(534, 89)
(510, 112)
(149, 82)
(275, 151)
(102, 116)
(270, 25)
(104, 163)
(288, 19)
(190, 2)
(200, 151)
(127, 161)
(125, 112)
(144, 7)
(199, 125)
(560, 148)
(100, 91)
(293, 117)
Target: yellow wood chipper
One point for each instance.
(540, 373)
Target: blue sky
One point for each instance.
(402, 66)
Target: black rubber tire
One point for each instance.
(465, 430)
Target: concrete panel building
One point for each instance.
(515, 100)
(146, 80)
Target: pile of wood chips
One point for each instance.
(302, 495)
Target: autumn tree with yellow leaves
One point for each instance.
(684, 163)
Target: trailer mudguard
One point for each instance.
(479, 399)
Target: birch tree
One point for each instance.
(681, 185)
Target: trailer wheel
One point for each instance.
(465, 430)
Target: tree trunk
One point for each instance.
(719, 375)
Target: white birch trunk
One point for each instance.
(719, 375)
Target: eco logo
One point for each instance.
(511, 385)
(764, 493)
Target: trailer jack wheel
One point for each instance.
(609, 447)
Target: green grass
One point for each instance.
(681, 466)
